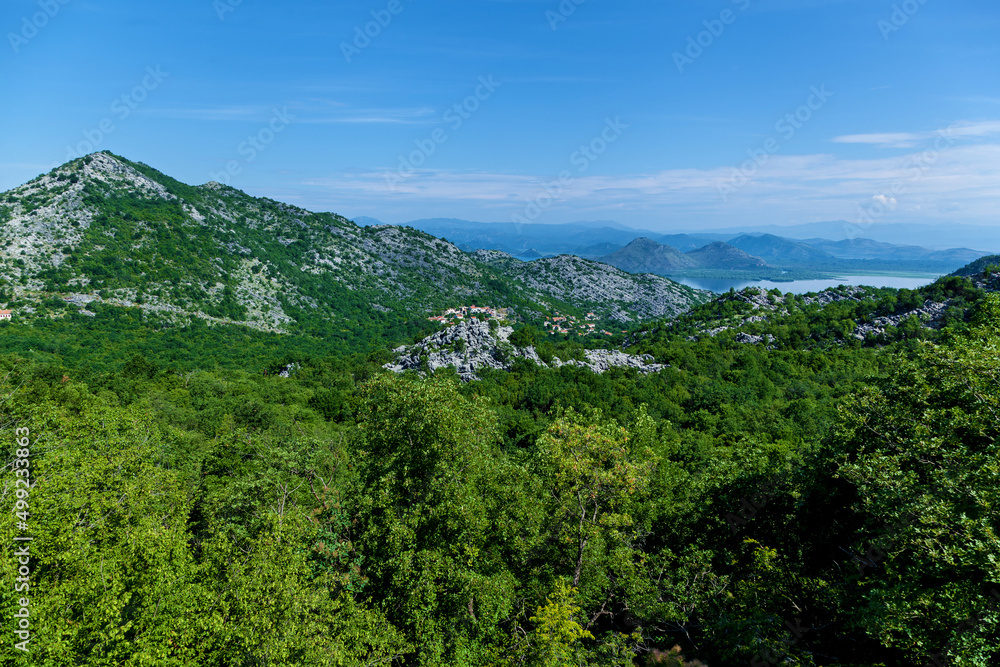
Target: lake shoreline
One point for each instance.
(874, 279)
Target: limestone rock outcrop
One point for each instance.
(471, 346)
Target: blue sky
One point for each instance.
(662, 114)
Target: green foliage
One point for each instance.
(222, 496)
(980, 265)
(556, 640)
(524, 337)
(595, 481)
(922, 452)
(152, 549)
(440, 513)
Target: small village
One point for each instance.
(566, 324)
(471, 314)
(554, 325)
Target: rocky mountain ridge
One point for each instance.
(766, 305)
(104, 230)
(627, 297)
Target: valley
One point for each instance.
(277, 406)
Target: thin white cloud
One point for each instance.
(978, 99)
(962, 180)
(889, 140)
(913, 139)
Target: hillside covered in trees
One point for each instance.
(786, 491)
(102, 231)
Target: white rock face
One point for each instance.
(750, 339)
(931, 315)
(470, 346)
(600, 361)
(104, 167)
(850, 293)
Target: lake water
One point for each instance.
(804, 286)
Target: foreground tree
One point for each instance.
(444, 519)
(923, 450)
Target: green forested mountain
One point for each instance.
(979, 266)
(103, 230)
(804, 480)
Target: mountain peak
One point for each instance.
(645, 255)
(65, 183)
(723, 255)
(113, 170)
(643, 242)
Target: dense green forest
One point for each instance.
(220, 496)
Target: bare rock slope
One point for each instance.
(471, 346)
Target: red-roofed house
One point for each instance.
(5, 314)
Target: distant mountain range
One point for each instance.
(870, 249)
(777, 250)
(763, 254)
(647, 256)
(935, 237)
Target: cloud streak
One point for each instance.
(914, 139)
